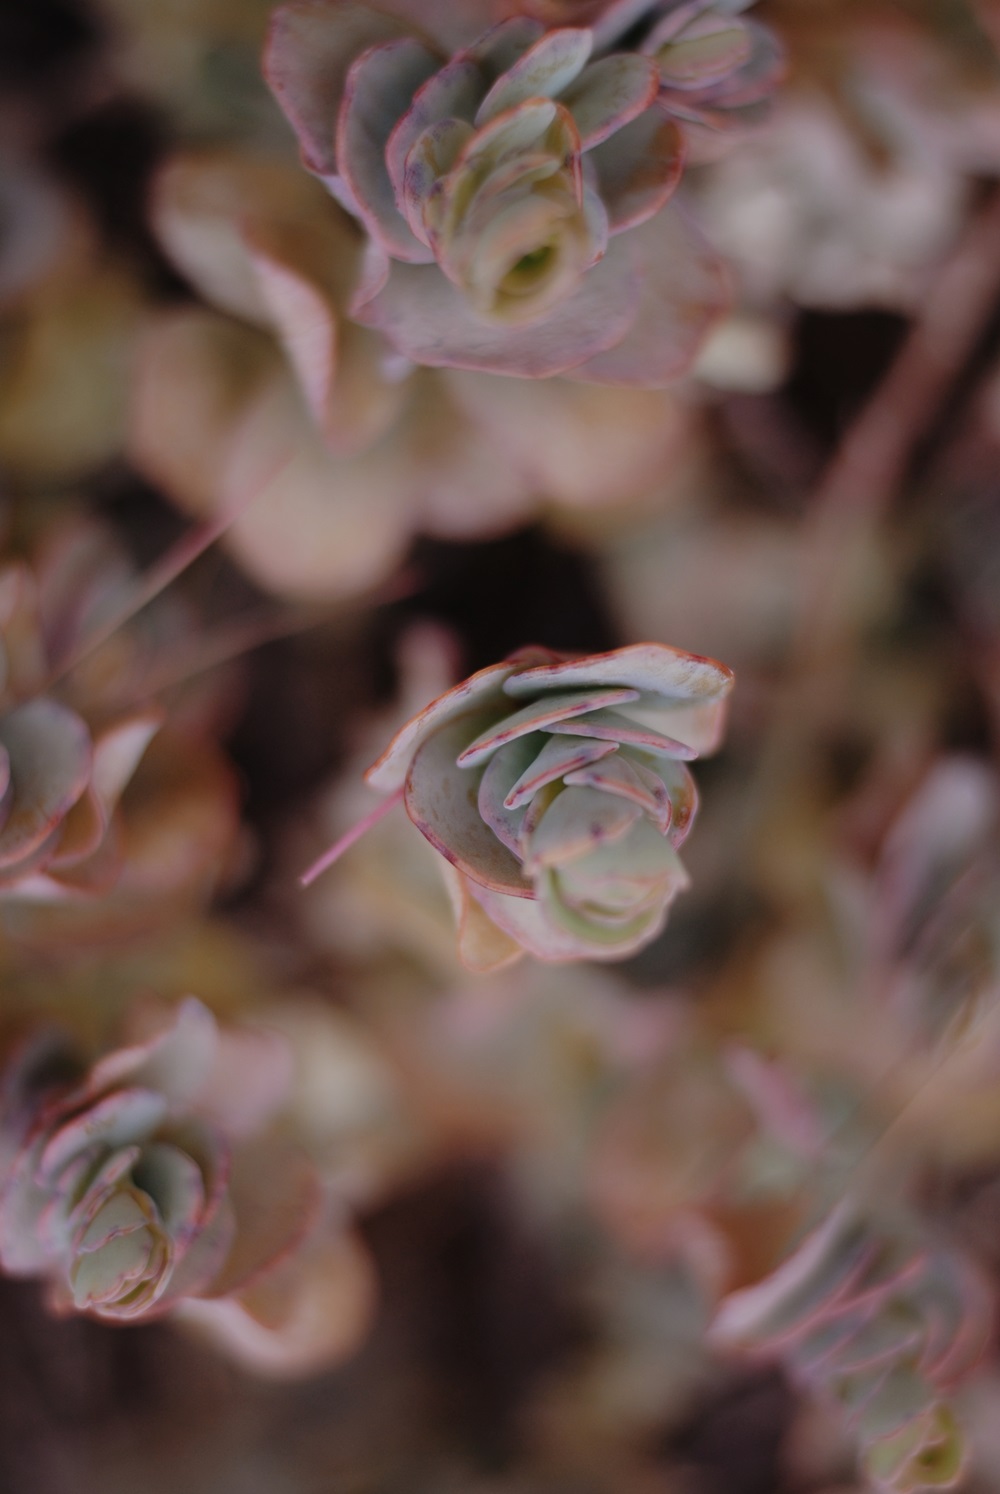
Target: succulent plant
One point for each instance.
(515, 191)
(150, 1182)
(550, 787)
(107, 824)
(883, 1324)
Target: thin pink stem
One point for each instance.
(346, 841)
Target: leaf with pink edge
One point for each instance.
(442, 801)
(432, 157)
(638, 168)
(478, 692)
(557, 759)
(380, 87)
(482, 946)
(176, 1062)
(542, 715)
(50, 762)
(614, 727)
(503, 768)
(685, 290)
(628, 779)
(309, 51)
(126, 1116)
(609, 94)
(648, 667)
(576, 823)
(549, 66)
(310, 1312)
(529, 926)
(451, 93)
(274, 1192)
(709, 49)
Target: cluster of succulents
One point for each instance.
(389, 1004)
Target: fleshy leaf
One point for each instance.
(684, 291)
(556, 760)
(548, 67)
(576, 823)
(380, 86)
(638, 168)
(50, 763)
(609, 94)
(541, 715)
(310, 48)
(442, 801)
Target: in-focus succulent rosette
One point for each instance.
(515, 191)
(557, 791)
(154, 1183)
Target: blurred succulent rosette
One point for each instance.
(102, 807)
(882, 1322)
(514, 186)
(552, 789)
(154, 1182)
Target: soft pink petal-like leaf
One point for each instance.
(442, 801)
(429, 320)
(451, 93)
(674, 776)
(175, 1183)
(548, 67)
(575, 824)
(684, 292)
(620, 776)
(50, 762)
(117, 753)
(504, 767)
(433, 156)
(176, 1063)
(380, 88)
(388, 773)
(818, 1272)
(310, 48)
(613, 727)
(127, 1115)
(275, 1195)
(609, 94)
(250, 1079)
(747, 85)
(309, 1313)
(528, 925)
(638, 168)
(652, 667)
(557, 759)
(482, 946)
(711, 48)
(541, 715)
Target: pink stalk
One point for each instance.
(346, 841)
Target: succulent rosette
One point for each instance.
(557, 789)
(152, 1181)
(103, 813)
(882, 1323)
(515, 191)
